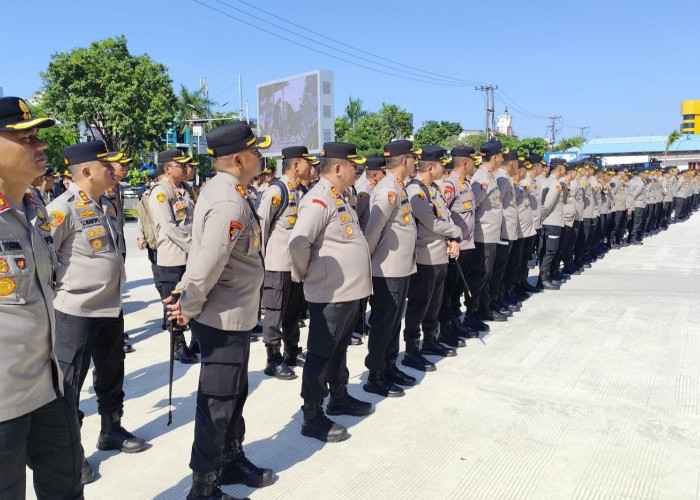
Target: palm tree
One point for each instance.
(354, 111)
(191, 105)
(672, 137)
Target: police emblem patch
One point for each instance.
(276, 200)
(21, 263)
(234, 229)
(6, 286)
(160, 197)
(96, 244)
(4, 267)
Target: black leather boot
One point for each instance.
(183, 354)
(294, 356)
(378, 384)
(342, 403)
(414, 359)
(393, 374)
(276, 367)
(206, 487)
(87, 475)
(237, 469)
(465, 331)
(114, 437)
(317, 425)
(449, 336)
(432, 347)
(472, 321)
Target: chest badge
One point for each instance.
(4, 268)
(21, 263)
(7, 286)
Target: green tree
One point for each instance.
(672, 137)
(509, 141)
(372, 130)
(533, 145)
(571, 142)
(56, 138)
(436, 133)
(128, 100)
(342, 126)
(397, 122)
(354, 111)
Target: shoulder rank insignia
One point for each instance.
(83, 196)
(334, 191)
(241, 190)
(290, 185)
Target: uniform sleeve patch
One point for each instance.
(160, 197)
(392, 197)
(449, 191)
(234, 230)
(276, 200)
(57, 218)
(320, 202)
(4, 204)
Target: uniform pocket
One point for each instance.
(224, 370)
(14, 279)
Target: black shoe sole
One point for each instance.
(107, 447)
(330, 411)
(325, 439)
(382, 393)
(420, 368)
(265, 481)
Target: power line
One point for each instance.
(307, 30)
(421, 80)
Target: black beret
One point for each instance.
(400, 148)
(342, 150)
(84, 152)
(463, 152)
(510, 155)
(234, 137)
(172, 155)
(491, 148)
(555, 162)
(15, 115)
(375, 162)
(432, 153)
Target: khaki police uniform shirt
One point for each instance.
(172, 216)
(526, 213)
(684, 189)
(364, 189)
(224, 274)
(487, 200)
(576, 192)
(531, 191)
(552, 203)
(275, 238)
(569, 204)
(90, 271)
(434, 222)
(616, 191)
(329, 252)
(27, 261)
(391, 230)
(509, 227)
(116, 196)
(605, 205)
(597, 187)
(635, 193)
(588, 198)
(459, 197)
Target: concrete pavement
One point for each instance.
(588, 392)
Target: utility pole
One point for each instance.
(489, 109)
(240, 99)
(553, 128)
(583, 132)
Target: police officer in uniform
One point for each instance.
(89, 278)
(552, 221)
(487, 234)
(391, 237)
(38, 419)
(617, 187)
(172, 215)
(282, 298)
(330, 256)
(636, 204)
(438, 240)
(459, 199)
(527, 219)
(220, 297)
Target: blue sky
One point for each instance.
(620, 67)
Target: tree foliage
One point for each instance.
(56, 138)
(129, 100)
(370, 131)
(571, 142)
(672, 137)
(436, 133)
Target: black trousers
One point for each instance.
(567, 253)
(528, 248)
(619, 224)
(168, 278)
(424, 299)
(222, 393)
(77, 340)
(552, 234)
(479, 273)
(330, 329)
(563, 240)
(284, 301)
(515, 258)
(581, 247)
(47, 440)
(449, 310)
(500, 263)
(360, 326)
(387, 302)
(637, 221)
(666, 212)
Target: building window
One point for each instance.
(327, 88)
(688, 125)
(326, 111)
(688, 117)
(327, 135)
